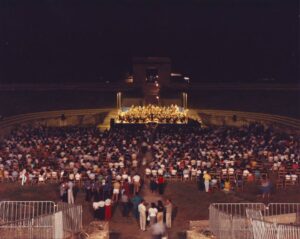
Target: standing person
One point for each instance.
(136, 183)
(160, 211)
(125, 187)
(23, 177)
(116, 191)
(62, 191)
(169, 209)
(101, 206)
(206, 178)
(142, 213)
(107, 209)
(152, 211)
(96, 211)
(153, 185)
(136, 200)
(161, 184)
(265, 187)
(125, 204)
(88, 190)
(70, 192)
(200, 182)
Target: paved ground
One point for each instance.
(190, 203)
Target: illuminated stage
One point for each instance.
(172, 114)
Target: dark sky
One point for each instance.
(66, 41)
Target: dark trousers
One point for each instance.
(88, 194)
(125, 209)
(161, 188)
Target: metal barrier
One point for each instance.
(40, 227)
(268, 230)
(254, 214)
(42, 220)
(71, 217)
(19, 211)
(245, 220)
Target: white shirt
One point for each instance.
(136, 178)
(152, 212)
(142, 208)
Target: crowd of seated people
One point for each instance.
(37, 155)
(223, 157)
(218, 156)
(151, 113)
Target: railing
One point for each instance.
(42, 220)
(268, 230)
(17, 212)
(41, 227)
(71, 217)
(247, 220)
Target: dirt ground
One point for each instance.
(190, 204)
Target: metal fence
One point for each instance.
(39, 227)
(268, 230)
(71, 217)
(19, 211)
(40, 220)
(248, 220)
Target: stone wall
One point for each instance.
(54, 119)
(238, 119)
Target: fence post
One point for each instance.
(58, 232)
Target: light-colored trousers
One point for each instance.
(70, 197)
(168, 220)
(160, 217)
(24, 179)
(206, 184)
(143, 221)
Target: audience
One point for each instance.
(105, 163)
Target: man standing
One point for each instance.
(70, 193)
(161, 184)
(169, 209)
(206, 178)
(136, 200)
(136, 183)
(142, 211)
(125, 204)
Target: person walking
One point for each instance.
(158, 231)
(169, 209)
(142, 212)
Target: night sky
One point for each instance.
(91, 41)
